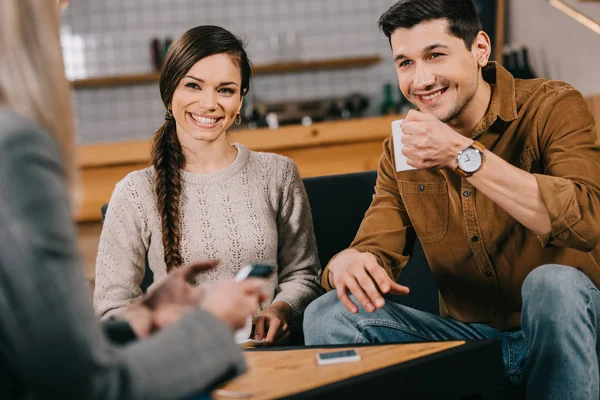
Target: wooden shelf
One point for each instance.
(275, 68)
(116, 80)
(298, 66)
(324, 148)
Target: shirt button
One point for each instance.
(487, 274)
(475, 239)
(420, 188)
(467, 193)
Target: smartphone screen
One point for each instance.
(260, 271)
(255, 271)
(337, 357)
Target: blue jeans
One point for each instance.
(554, 355)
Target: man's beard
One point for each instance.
(461, 104)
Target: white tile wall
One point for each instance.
(111, 37)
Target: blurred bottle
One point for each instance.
(335, 109)
(517, 64)
(272, 120)
(511, 61)
(166, 47)
(156, 54)
(356, 104)
(250, 112)
(528, 72)
(506, 60)
(402, 105)
(388, 105)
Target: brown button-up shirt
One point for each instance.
(478, 254)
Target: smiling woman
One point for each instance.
(189, 86)
(207, 100)
(205, 198)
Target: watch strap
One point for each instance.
(477, 145)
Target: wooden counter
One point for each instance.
(324, 148)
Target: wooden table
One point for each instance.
(449, 370)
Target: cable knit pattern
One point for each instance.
(254, 211)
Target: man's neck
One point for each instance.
(474, 111)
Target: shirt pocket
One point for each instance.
(427, 206)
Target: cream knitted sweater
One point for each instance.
(254, 211)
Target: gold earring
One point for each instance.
(238, 119)
(169, 114)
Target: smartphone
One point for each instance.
(337, 357)
(255, 271)
(242, 336)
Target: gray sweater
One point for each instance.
(253, 211)
(51, 345)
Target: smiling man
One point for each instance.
(505, 200)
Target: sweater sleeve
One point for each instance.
(299, 267)
(121, 260)
(48, 334)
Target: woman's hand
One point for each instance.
(171, 300)
(272, 324)
(233, 302)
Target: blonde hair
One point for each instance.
(32, 77)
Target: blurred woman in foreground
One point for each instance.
(51, 346)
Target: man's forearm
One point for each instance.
(515, 190)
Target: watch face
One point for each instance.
(469, 160)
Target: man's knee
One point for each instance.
(321, 306)
(319, 315)
(554, 293)
(555, 282)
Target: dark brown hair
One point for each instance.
(461, 16)
(167, 156)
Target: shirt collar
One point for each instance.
(505, 90)
(503, 103)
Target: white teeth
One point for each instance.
(204, 120)
(433, 96)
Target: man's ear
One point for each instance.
(482, 48)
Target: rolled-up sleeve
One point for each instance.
(570, 182)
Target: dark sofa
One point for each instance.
(338, 204)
